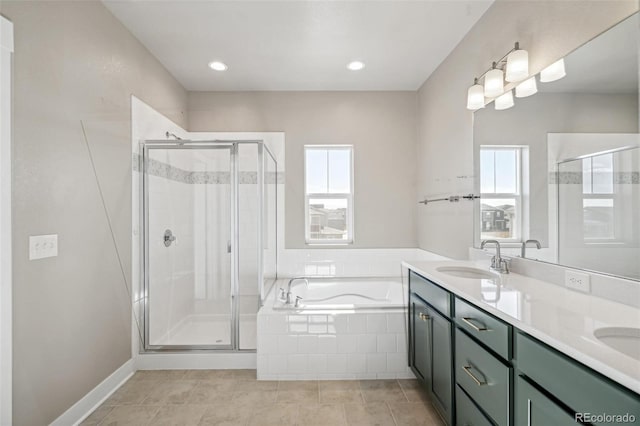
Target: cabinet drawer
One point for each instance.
(487, 329)
(484, 377)
(581, 389)
(467, 414)
(431, 293)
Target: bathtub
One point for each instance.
(342, 293)
(343, 329)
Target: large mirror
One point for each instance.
(562, 166)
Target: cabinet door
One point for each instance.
(441, 363)
(533, 408)
(420, 339)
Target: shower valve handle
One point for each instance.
(169, 238)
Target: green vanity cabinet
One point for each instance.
(533, 408)
(481, 370)
(483, 367)
(567, 383)
(430, 338)
(420, 354)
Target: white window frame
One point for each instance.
(348, 196)
(519, 230)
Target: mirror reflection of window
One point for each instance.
(501, 212)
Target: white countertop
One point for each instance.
(562, 318)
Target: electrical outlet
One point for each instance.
(43, 246)
(577, 281)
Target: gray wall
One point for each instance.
(528, 123)
(549, 30)
(74, 63)
(380, 125)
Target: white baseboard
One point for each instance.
(83, 408)
(196, 361)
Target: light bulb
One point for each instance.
(494, 83)
(553, 72)
(218, 66)
(355, 65)
(505, 101)
(527, 88)
(517, 66)
(475, 97)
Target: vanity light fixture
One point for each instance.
(218, 66)
(355, 65)
(475, 96)
(515, 63)
(553, 72)
(504, 101)
(527, 88)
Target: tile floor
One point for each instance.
(235, 397)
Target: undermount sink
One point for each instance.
(467, 272)
(622, 339)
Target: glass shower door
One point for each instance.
(188, 259)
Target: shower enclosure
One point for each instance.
(598, 205)
(209, 242)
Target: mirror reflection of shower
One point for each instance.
(209, 242)
(598, 205)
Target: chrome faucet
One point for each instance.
(524, 247)
(288, 300)
(498, 264)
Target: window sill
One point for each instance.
(324, 244)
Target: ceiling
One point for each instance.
(606, 64)
(300, 45)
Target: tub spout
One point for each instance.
(288, 300)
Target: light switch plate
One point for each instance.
(577, 281)
(43, 246)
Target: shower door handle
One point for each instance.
(229, 246)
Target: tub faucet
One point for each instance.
(524, 246)
(498, 264)
(288, 300)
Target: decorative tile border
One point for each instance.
(167, 171)
(575, 178)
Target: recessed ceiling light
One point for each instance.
(218, 66)
(355, 65)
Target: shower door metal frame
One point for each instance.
(179, 145)
(232, 145)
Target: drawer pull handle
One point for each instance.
(424, 317)
(468, 320)
(467, 369)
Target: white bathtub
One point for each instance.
(342, 293)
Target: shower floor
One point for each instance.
(196, 330)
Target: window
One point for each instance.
(598, 214)
(501, 210)
(328, 194)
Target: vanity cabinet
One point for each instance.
(430, 341)
(534, 408)
(550, 383)
(483, 372)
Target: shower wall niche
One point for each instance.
(209, 242)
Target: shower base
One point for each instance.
(195, 330)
